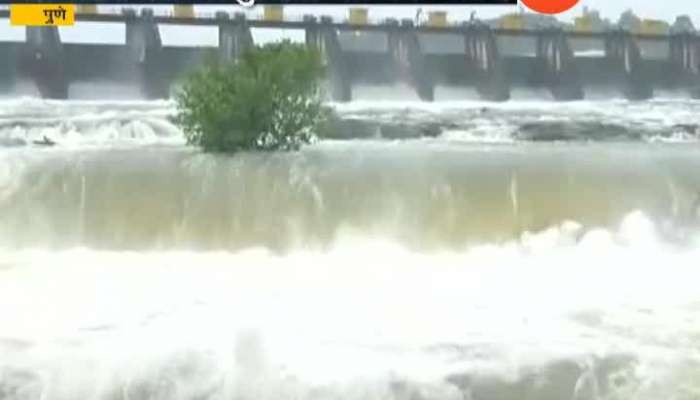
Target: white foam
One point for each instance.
(92, 123)
(88, 123)
(352, 319)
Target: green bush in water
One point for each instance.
(270, 99)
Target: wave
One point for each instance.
(424, 195)
(71, 124)
(561, 313)
(661, 120)
(481, 175)
(33, 122)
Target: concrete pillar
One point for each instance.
(324, 39)
(142, 36)
(408, 58)
(234, 36)
(328, 45)
(623, 55)
(311, 31)
(395, 50)
(484, 61)
(555, 67)
(685, 62)
(144, 51)
(43, 59)
(8, 66)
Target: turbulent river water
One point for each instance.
(456, 250)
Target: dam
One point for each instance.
(491, 59)
(445, 250)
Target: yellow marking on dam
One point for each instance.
(86, 9)
(183, 11)
(358, 16)
(437, 19)
(273, 12)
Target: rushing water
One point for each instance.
(521, 251)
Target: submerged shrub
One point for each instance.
(270, 99)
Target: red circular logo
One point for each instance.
(550, 6)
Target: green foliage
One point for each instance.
(270, 99)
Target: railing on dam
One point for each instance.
(493, 60)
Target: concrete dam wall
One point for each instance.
(491, 60)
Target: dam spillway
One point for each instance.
(494, 61)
